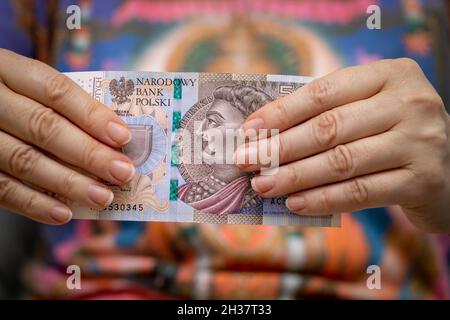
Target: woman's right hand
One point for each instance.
(48, 125)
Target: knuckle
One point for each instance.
(90, 120)
(57, 87)
(6, 188)
(90, 115)
(320, 91)
(434, 180)
(385, 63)
(425, 100)
(324, 201)
(282, 112)
(67, 184)
(43, 125)
(90, 155)
(341, 161)
(402, 68)
(295, 177)
(23, 160)
(325, 129)
(282, 148)
(357, 192)
(30, 204)
(445, 136)
(436, 136)
(436, 183)
(405, 64)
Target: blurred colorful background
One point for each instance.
(303, 37)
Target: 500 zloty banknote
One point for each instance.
(184, 172)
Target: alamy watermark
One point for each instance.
(73, 281)
(374, 20)
(73, 20)
(373, 281)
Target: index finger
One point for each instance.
(336, 89)
(44, 84)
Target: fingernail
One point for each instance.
(255, 124)
(245, 155)
(99, 195)
(122, 171)
(61, 214)
(263, 184)
(295, 203)
(118, 133)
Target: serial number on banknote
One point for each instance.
(125, 207)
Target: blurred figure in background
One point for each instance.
(169, 260)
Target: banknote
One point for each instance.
(184, 172)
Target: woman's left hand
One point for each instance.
(366, 136)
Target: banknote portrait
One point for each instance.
(223, 188)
